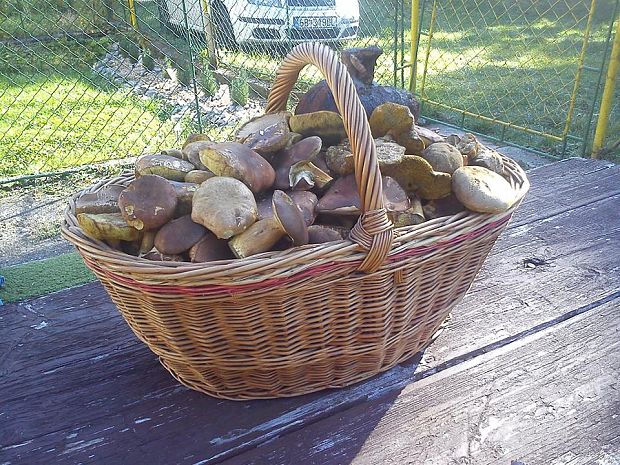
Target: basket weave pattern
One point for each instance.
(312, 317)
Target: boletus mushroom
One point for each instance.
(318, 234)
(209, 249)
(178, 235)
(287, 220)
(109, 227)
(443, 157)
(390, 117)
(185, 193)
(305, 150)
(306, 201)
(305, 175)
(104, 200)
(417, 176)
(342, 198)
(327, 125)
(265, 134)
(148, 202)
(235, 160)
(163, 165)
(198, 176)
(225, 206)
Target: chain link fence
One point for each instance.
(84, 81)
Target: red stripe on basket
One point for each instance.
(231, 290)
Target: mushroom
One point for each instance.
(489, 159)
(210, 248)
(325, 124)
(469, 146)
(305, 149)
(163, 165)
(411, 140)
(176, 153)
(185, 193)
(318, 234)
(266, 134)
(306, 201)
(412, 216)
(417, 176)
(178, 235)
(109, 227)
(342, 198)
(191, 152)
(264, 234)
(235, 160)
(391, 118)
(198, 176)
(104, 200)
(148, 202)
(443, 157)
(482, 190)
(225, 206)
(428, 136)
(157, 256)
(305, 175)
(341, 161)
(194, 137)
(446, 206)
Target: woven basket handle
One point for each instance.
(374, 231)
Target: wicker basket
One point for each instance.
(313, 317)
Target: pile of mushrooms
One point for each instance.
(287, 180)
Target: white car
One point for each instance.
(259, 21)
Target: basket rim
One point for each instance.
(276, 263)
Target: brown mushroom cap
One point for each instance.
(210, 248)
(148, 202)
(157, 256)
(176, 153)
(412, 216)
(318, 234)
(443, 157)
(290, 217)
(194, 137)
(185, 193)
(267, 133)
(238, 161)
(327, 125)
(342, 197)
(390, 117)
(417, 176)
(163, 165)
(306, 201)
(225, 206)
(305, 149)
(264, 234)
(107, 227)
(191, 153)
(178, 235)
(198, 176)
(104, 200)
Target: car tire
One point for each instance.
(223, 29)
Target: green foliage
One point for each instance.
(42, 277)
(58, 113)
(208, 82)
(239, 89)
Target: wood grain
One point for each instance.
(550, 398)
(75, 383)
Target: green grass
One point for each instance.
(41, 277)
(56, 113)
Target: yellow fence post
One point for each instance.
(608, 94)
(415, 40)
(132, 14)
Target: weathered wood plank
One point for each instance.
(550, 398)
(100, 383)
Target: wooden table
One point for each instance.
(527, 370)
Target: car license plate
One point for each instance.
(314, 21)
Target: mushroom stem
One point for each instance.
(114, 243)
(146, 245)
(259, 237)
(306, 173)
